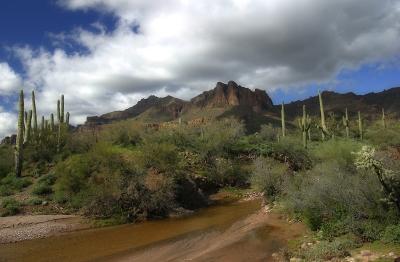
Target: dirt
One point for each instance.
(19, 228)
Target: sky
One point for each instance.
(105, 55)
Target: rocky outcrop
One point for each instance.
(232, 94)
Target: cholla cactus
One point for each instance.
(366, 159)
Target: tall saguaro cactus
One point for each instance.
(58, 112)
(283, 120)
(28, 128)
(346, 123)
(324, 129)
(360, 126)
(51, 122)
(62, 109)
(383, 118)
(305, 125)
(20, 136)
(35, 121)
(67, 120)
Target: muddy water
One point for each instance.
(227, 232)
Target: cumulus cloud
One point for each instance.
(9, 80)
(183, 47)
(7, 123)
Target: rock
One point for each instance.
(45, 203)
(295, 259)
(232, 94)
(365, 253)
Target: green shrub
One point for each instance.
(11, 183)
(268, 177)
(44, 185)
(7, 160)
(291, 152)
(340, 151)
(34, 201)
(10, 207)
(329, 193)
(326, 250)
(392, 234)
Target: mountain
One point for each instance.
(231, 94)
(210, 104)
(166, 107)
(370, 104)
(255, 108)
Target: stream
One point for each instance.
(229, 231)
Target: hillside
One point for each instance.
(253, 107)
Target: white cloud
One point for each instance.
(9, 81)
(184, 47)
(7, 123)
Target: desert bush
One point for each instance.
(7, 160)
(291, 152)
(391, 234)
(338, 150)
(44, 185)
(268, 177)
(11, 184)
(9, 207)
(326, 250)
(329, 193)
(269, 133)
(124, 133)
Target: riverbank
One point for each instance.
(28, 227)
(231, 231)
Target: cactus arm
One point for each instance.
(360, 126)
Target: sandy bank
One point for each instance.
(18, 228)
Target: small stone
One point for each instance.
(295, 259)
(366, 253)
(391, 254)
(45, 203)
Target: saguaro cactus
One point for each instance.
(383, 118)
(35, 122)
(58, 112)
(28, 127)
(51, 122)
(360, 126)
(324, 129)
(62, 109)
(42, 125)
(20, 136)
(305, 125)
(283, 120)
(346, 123)
(67, 119)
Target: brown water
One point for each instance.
(228, 232)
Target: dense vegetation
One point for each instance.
(344, 187)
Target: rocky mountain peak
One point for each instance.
(232, 94)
